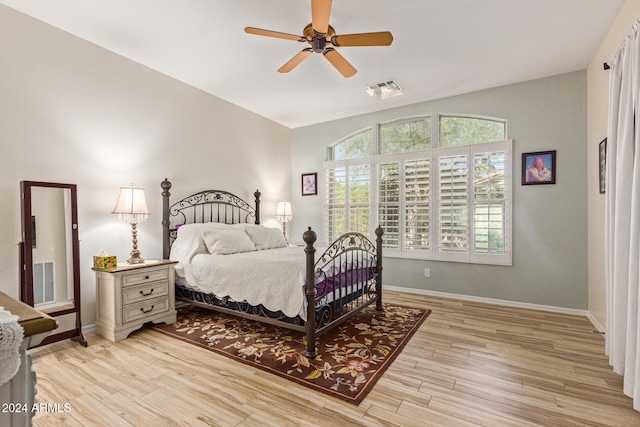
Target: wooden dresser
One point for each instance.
(19, 393)
(132, 295)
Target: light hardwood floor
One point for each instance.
(470, 364)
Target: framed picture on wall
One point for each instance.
(602, 149)
(539, 168)
(310, 184)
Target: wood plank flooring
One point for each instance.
(470, 364)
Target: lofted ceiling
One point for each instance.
(440, 48)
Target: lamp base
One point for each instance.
(135, 259)
(135, 253)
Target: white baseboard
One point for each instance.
(595, 323)
(539, 307)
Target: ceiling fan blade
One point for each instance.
(276, 34)
(320, 12)
(338, 61)
(383, 38)
(293, 62)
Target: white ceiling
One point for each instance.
(441, 47)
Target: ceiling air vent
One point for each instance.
(384, 90)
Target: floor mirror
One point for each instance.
(50, 255)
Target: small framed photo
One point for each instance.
(310, 184)
(602, 149)
(539, 168)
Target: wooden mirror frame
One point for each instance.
(26, 259)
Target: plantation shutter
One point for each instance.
(389, 203)
(335, 201)
(347, 197)
(417, 206)
(474, 203)
(359, 185)
(453, 206)
(492, 203)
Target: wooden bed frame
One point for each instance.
(349, 249)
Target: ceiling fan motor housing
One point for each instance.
(319, 43)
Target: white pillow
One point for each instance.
(189, 239)
(226, 242)
(265, 237)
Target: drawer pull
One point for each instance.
(146, 277)
(147, 311)
(147, 294)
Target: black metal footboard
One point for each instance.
(345, 279)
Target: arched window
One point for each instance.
(440, 192)
(358, 145)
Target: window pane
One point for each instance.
(452, 196)
(405, 136)
(489, 195)
(335, 184)
(489, 219)
(389, 207)
(359, 197)
(355, 146)
(416, 202)
(458, 131)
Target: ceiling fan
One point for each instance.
(322, 38)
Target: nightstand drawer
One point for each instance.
(145, 276)
(144, 309)
(144, 292)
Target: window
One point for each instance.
(450, 203)
(354, 146)
(474, 203)
(348, 200)
(456, 131)
(405, 135)
(404, 203)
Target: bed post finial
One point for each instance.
(166, 186)
(309, 238)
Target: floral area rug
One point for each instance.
(351, 357)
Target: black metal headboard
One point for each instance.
(202, 207)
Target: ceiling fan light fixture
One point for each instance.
(385, 90)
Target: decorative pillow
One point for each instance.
(265, 237)
(226, 242)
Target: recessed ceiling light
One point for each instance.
(384, 90)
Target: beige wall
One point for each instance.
(598, 95)
(72, 112)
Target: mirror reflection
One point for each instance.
(51, 248)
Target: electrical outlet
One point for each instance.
(427, 272)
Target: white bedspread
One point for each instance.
(274, 278)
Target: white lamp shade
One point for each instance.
(131, 203)
(283, 212)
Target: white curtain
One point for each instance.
(622, 233)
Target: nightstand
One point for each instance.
(132, 295)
